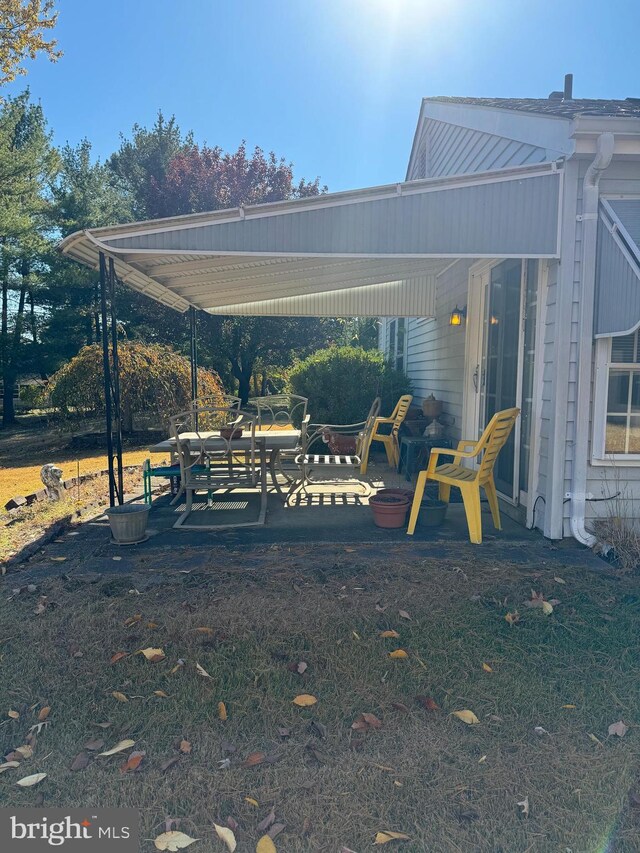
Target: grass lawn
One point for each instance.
(447, 785)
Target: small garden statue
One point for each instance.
(51, 477)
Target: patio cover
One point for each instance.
(370, 252)
(618, 268)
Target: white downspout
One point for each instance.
(590, 199)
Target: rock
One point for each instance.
(70, 483)
(40, 495)
(17, 501)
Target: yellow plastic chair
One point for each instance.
(390, 441)
(469, 481)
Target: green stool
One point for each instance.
(168, 471)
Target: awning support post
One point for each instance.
(193, 353)
(111, 369)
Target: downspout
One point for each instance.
(590, 199)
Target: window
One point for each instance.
(621, 372)
(396, 341)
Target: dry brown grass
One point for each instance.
(449, 786)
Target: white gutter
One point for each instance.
(590, 198)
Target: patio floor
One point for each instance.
(331, 518)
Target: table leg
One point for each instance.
(274, 457)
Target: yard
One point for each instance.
(254, 628)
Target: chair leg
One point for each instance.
(444, 492)
(471, 501)
(417, 498)
(388, 449)
(492, 497)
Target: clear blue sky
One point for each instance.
(333, 86)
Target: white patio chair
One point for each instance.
(209, 460)
(357, 435)
(279, 411)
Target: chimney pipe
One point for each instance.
(568, 87)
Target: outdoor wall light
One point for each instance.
(458, 316)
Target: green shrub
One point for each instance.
(154, 380)
(341, 383)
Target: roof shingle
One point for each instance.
(563, 109)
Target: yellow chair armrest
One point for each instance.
(446, 451)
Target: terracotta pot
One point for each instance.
(402, 493)
(229, 432)
(389, 511)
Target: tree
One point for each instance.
(28, 165)
(154, 380)
(86, 194)
(23, 24)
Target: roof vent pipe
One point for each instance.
(568, 87)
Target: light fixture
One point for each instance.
(458, 315)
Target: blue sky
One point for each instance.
(333, 86)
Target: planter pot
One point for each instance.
(398, 493)
(432, 513)
(389, 511)
(228, 432)
(128, 523)
(431, 408)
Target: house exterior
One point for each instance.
(557, 336)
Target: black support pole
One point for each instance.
(115, 387)
(193, 353)
(107, 376)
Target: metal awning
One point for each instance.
(371, 252)
(618, 268)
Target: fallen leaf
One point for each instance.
(13, 714)
(81, 761)
(304, 700)
(512, 618)
(185, 747)
(596, 740)
(232, 823)
(284, 732)
(44, 713)
(404, 614)
(482, 759)
(118, 656)
(202, 671)
(104, 725)
(58, 559)
(251, 801)
(386, 836)
(161, 694)
(380, 608)
(209, 631)
(253, 759)
(487, 668)
(524, 805)
(265, 845)
(119, 696)
(178, 666)
(25, 751)
(119, 747)
(94, 744)
(571, 707)
(559, 580)
(152, 655)
(371, 721)
(266, 822)
(398, 654)
(390, 633)
(9, 765)
(428, 703)
(173, 841)
(152, 625)
(547, 608)
(400, 706)
(133, 762)
(540, 731)
(169, 762)
(275, 830)
(132, 620)
(467, 717)
(28, 781)
(618, 729)
(225, 834)
(222, 711)
(302, 667)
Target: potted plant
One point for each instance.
(128, 523)
(390, 510)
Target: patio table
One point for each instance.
(270, 442)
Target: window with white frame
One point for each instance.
(617, 416)
(396, 342)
